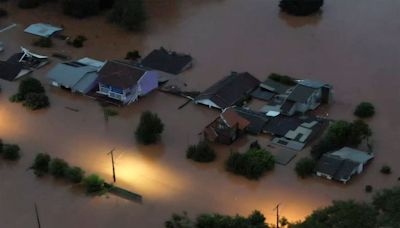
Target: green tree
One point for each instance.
(41, 164)
(202, 152)
(27, 86)
(130, 14)
(149, 129)
(58, 167)
(75, 174)
(305, 167)
(81, 8)
(11, 152)
(387, 202)
(301, 7)
(364, 110)
(94, 184)
(35, 101)
(179, 221)
(343, 214)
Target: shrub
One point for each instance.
(93, 184)
(252, 164)
(41, 164)
(301, 7)
(3, 12)
(256, 219)
(149, 129)
(58, 167)
(75, 174)
(36, 101)
(386, 169)
(44, 42)
(132, 55)
(1, 146)
(201, 152)
(130, 14)
(11, 152)
(368, 188)
(77, 41)
(81, 8)
(364, 110)
(305, 167)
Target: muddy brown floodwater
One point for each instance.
(352, 44)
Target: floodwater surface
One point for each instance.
(351, 44)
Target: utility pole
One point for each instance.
(37, 216)
(277, 214)
(112, 162)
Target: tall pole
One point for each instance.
(37, 216)
(112, 162)
(277, 214)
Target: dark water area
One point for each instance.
(351, 44)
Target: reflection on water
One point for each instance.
(342, 46)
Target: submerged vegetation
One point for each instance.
(130, 14)
(364, 110)
(305, 167)
(32, 94)
(149, 129)
(301, 7)
(202, 152)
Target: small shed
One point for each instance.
(42, 29)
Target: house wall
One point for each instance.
(116, 93)
(148, 82)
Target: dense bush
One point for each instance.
(132, 55)
(93, 184)
(201, 152)
(130, 14)
(368, 188)
(305, 167)
(387, 202)
(36, 101)
(77, 41)
(149, 129)
(252, 164)
(386, 169)
(81, 8)
(75, 174)
(29, 85)
(284, 79)
(44, 42)
(41, 164)
(301, 7)
(3, 12)
(29, 4)
(364, 110)
(340, 134)
(58, 167)
(11, 152)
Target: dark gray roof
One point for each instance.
(287, 106)
(257, 120)
(336, 167)
(346, 170)
(275, 86)
(301, 93)
(120, 75)
(166, 61)
(230, 90)
(9, 71)
(280, 125)
(262, 94)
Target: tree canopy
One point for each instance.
(130, 14)
(364, 110)
(301, 7)
(149, 129)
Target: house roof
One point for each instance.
(257, 120)
(336, 167)
(262, 94)
(166, 61)
(274, 86)
(231, 118)
(230, 90)
(9, 71)
(287, 106)
(281, 125)
(301, 93)
(120, 75)
(313, 84)
(42, 29)
(91, 62)
(70, 74)
(353, 155)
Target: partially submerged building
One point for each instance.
(42, 29)
(75, 76)
(166, 61)
(228, 92)
(341, 165)
(125, 82)
(228, 127)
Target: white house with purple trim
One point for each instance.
(125, 82)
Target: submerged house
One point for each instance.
(341, 165)
(42, 29)
(75, 76)
(167, 61)
(228, 127)
(228, 92)
(306, 95)
(124, 82)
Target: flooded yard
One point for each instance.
(353, 45)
